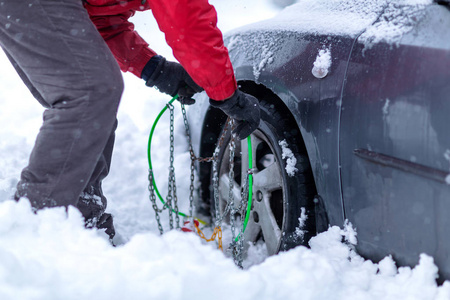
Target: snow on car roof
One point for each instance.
(380, 20)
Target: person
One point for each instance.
(69, 68)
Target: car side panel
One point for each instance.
(395, 144)
(282, 62)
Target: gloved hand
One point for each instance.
(244, 109)
(170, 78)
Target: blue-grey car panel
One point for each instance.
(396, 103)
(314, 103)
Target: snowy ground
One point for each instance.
(51, 256)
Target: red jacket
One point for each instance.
(190, 30)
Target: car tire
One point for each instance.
(278, 198)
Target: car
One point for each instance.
(355, 99)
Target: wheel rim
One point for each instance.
(267, 213)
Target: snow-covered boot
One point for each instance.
(106, 222)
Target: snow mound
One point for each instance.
(50, 255)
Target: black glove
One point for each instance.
(244, 109)
(170, 78)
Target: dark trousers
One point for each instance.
(69, 69)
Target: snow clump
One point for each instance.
(349, 233)
(447, 157)
(322, 64)
(291, 161)
(299, 232)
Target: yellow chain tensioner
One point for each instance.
(217, 232)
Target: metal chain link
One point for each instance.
(172, 168)
(237, 257)
(153, 200)
(215, 179)
(171, 179)
(215, 158)
(171, 197)
(237, 247)
(244, 196)
(193, 159)
(175, 197)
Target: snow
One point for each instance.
(375, 20)
(299, 231)
(386, 107)
(349, 233)
(291, 161)
(447, 157)
(267, 57)
(322, 63)
(50, 255)
(344, 17)
(69, 262)
(394, 22)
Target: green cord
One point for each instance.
(250, 185)
(250, 166)
(150, 157)
(250, 181)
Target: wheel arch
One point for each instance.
(215, 119)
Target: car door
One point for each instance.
(394, 140)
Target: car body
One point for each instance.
(374, 123)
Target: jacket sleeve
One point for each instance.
(129, 49)
(190, 27)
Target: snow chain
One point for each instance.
(236, 247)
